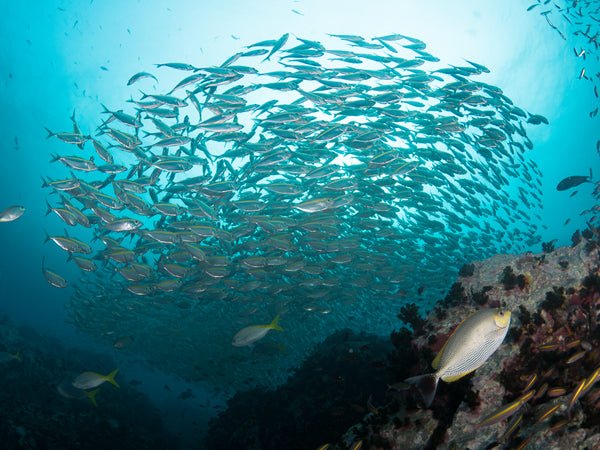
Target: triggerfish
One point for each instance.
(250, 335)
(475, 339)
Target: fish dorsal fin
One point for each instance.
(436, 361)
(438, 358)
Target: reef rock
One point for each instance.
(538, 390)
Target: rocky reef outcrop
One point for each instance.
(538, 390)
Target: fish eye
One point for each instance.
(501, 313)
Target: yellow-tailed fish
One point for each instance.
(7, 357)
(475, 339)
(92, 396)
(250, 335)
(89, 380)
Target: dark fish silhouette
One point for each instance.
(573, 181)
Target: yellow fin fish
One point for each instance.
(475, 339)
(250, 335)
(89, 380)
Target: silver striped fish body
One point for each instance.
(475, 339)
(473, 342)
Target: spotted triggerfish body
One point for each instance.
(573, 181)
(475, 339)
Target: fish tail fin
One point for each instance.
(281, 348)
(47, 237)
(111, 377)
(49, 207)
(92, 396)
(426, 385)
(16, 356)
(273, 325)
(50, 133)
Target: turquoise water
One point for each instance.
(64, 57)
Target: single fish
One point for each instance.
(250, 335)
(475, 339)
(11, 213)
(571, 182)
(139, 76)
(53, 278)
(89, 380)
(7, 357)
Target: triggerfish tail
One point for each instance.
(92, 396)
(426, 385)
(273, 325)
(111, 377)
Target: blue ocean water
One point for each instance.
(61, 58)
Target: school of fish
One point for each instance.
(577, 21)
(320, 184)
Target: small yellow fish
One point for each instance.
(250, 335)
(89, 380)
(7, 357)
(475, 339)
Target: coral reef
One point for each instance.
(537, 391)
(340, 382)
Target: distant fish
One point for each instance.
(123, 342)
(139, 76)
(573, 181)
(53, 278)
(11, 213)
(250, 335)
(68, 391)
(186, 394)
(475, 339)
(262, 350)
(7, 357)
(89, 380)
